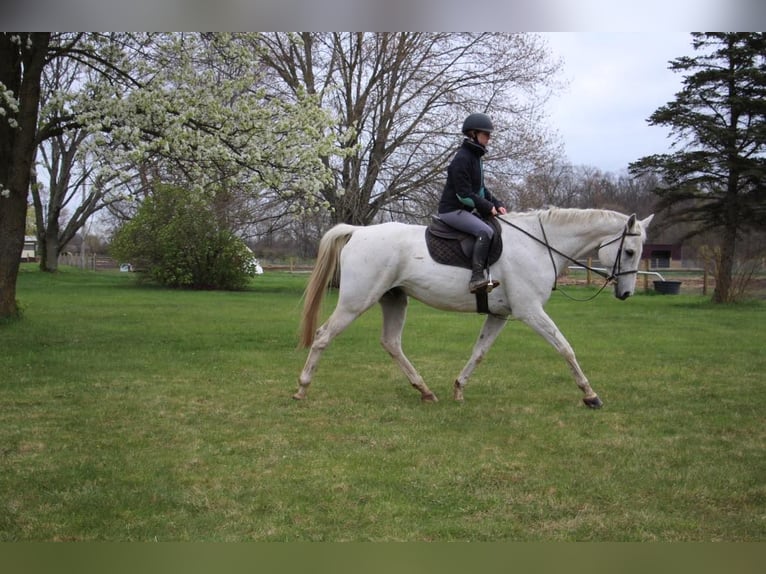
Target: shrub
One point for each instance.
(177, 239)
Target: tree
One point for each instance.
(185, 108)
(177, 239)
(22, 58)
(399, 99)
(717, 179)
(76, 187)
(65, 181)
(219, 129)
(565, 185)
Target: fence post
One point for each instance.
(704, 279)
(588, 275)
(646, 277)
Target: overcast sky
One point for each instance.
(616, 80)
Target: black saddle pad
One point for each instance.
(449, 246)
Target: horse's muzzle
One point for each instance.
(622, 296)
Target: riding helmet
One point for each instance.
(478, 122)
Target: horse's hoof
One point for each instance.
(429, 398)
(593, 402)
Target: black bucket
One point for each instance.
(667, 287)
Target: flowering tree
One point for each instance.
(199, 117)
(22, 58)
(189, 109)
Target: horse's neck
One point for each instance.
(575, 232)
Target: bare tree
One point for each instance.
(565, 185)
(80, 67)
(552, 183)
(399, 100)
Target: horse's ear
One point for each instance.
(646, 221)
(631, 221)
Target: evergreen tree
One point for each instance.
(715, 181)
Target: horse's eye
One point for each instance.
(630, 252)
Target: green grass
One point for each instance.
(137, 413)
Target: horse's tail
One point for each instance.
(325, 270)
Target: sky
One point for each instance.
(615, 81)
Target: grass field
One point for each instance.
(137, 413)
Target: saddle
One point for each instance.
(449, 246)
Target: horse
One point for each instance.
(387, 263)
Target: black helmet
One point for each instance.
(478, 122)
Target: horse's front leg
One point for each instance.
(544, 325)
(489, 332)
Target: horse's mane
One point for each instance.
(565, 215)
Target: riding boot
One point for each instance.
(478, 281)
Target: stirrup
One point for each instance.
(486, 285)
(492, 282)
(478, 284)
(485, 282)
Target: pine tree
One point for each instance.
(715, 181)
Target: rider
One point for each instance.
(465, 202)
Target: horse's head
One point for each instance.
(622, 254)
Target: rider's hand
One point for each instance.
(502, 211)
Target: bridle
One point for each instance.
(608, 277)
(617, 267)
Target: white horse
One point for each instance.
(389, 262)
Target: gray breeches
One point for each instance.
(467, 222)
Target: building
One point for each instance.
(663, 255)
(29, 253)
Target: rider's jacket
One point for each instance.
(465, 182)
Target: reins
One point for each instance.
(608, 277)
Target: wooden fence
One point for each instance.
(91, 262)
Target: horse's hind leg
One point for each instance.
(394, 305)
(489, 332)
(338, 321)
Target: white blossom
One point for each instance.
(202, 117)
